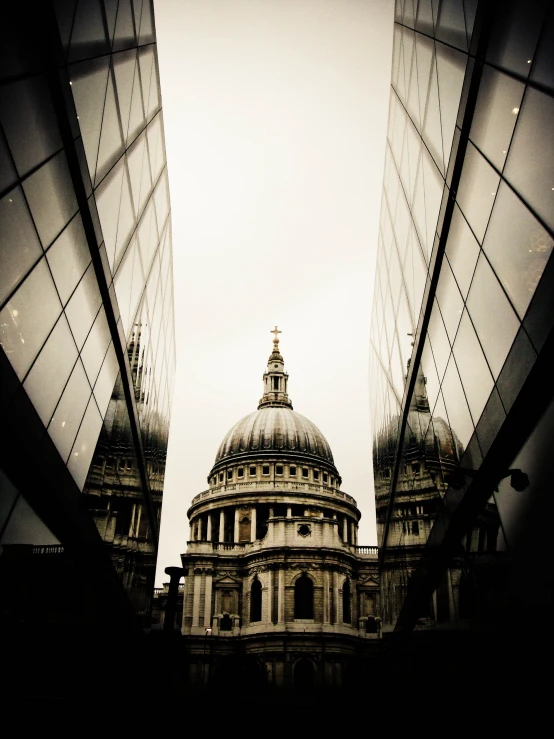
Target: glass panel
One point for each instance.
(124, 65)
(111, 138)
(124, 36)
(154, 100)
(46, 380)
(106, 380)
(402, 223)
(474, 371)
(412, 104)
(83, 306)
(136, 160)
(451, 67)
(126, 222)
(136, 115)
(148, 237)
(154, 133)
(28, 318)
(494, 120)
(543, 64)
(477, 191)
(25, 527)
(108, 199)
(462, 251)
(51, 197)
(146, 59)
(161, 199)
(515, 33)
(432, 383)
(449, 300)
(424, 21)
(414, 275)
(70, 410)
(459, 416)
(29, 122)
(530, 166)
(432, 131)
(110, 8)
(146, 23)
(518, 248)
(19, 245)
(126, 277)
(424, 58)
(85, 444)
(68, 257)
(95, 346)
(451, 27)
(438, 339)
(8, 175)
(88, 84)
(88, 38)
(492, 315)
(408, 42)
(434, 184)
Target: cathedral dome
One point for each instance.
(275, 429)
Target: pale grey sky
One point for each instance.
(275, 117)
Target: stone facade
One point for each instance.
(276, 584)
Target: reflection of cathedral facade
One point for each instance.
(274, 575)
(463, 302)
(85, 233)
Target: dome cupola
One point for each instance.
(275, 428)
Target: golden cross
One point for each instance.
(275, 332)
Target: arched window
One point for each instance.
(304, 597)
(256, 601)
(346, 614)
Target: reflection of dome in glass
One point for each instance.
(426, 435)
(276, 429)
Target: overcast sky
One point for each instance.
(275, 118)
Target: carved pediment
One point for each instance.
(227, 580)
(370, 582)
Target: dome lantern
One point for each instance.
(275, 379)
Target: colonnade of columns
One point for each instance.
(203, 527)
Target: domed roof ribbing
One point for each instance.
(278, 429)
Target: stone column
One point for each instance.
(335, 598)
(209, 528)
(196, 598)
(191, 533)
(326, 603)
(253, 524)
(289, 512)
(269, 596)
(281, 599)
(345, 529)
(222, 525)
(208, 599)
(270, 527)
(236, 531)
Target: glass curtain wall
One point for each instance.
(462, 314)
(86, 285)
